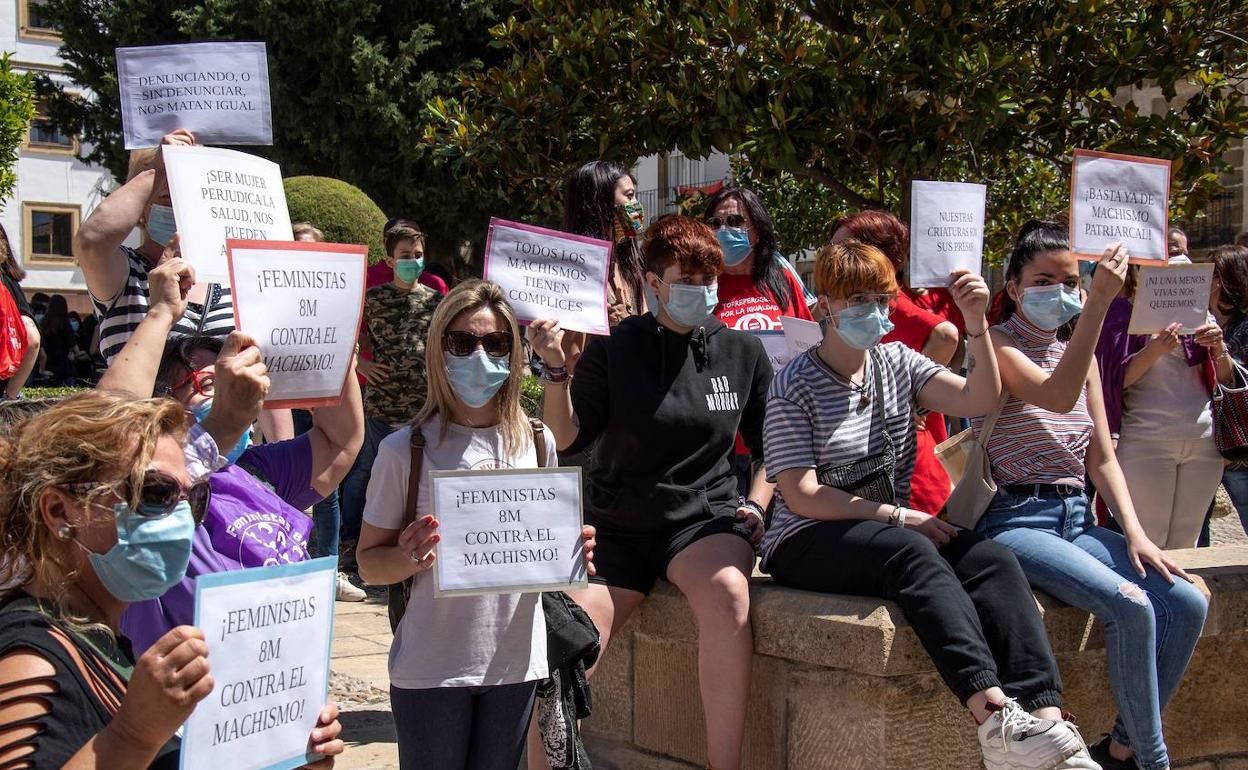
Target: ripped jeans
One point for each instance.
(1151, 627)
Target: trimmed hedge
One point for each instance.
(342, 211)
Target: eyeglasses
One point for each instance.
(732, 220)
(159, 495)
(885, 301)
(460, 344)
(202, 380)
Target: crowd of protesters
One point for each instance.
(114, 500)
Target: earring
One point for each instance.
(65, 532)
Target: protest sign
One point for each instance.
(1119, 198)
(506, 531)
(946, 231)
(1167, 295)
(219, 194)
(776, 347)
(303, 303)
(217, 91)
(268, 631)
(549, 274)
(802, 335)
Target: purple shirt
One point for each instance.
(1114, 351)
(249, 523)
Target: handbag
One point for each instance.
(1229, 409)
(399, 593)
(975, 488)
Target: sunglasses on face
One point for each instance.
(732, 220)
(160, 494)
(203, 382)
(495, 344)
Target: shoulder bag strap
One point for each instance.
(539, 440)
(990, 421)
(413, 476)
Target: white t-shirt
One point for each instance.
(1170, 402)
(462, 641)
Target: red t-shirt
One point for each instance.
(940, 302)
(744, 306)
(930, 485)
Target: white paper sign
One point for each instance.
(218, 91)
(776, 347)
(802, 335)
(508, 531)
(1169, 295)
(303, 303)
(219, 194)
(550, 274)
(268, 631)
(946, 231)
(1119, 198)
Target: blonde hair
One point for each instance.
(89, 437)
(307, 228)
(142, 160)
(469, 297)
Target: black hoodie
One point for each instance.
(665, 409)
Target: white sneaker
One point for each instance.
(1012, 739)
(348, 591)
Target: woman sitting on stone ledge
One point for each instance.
(840, 442)
(1051, 433)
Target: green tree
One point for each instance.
(340, 210)
(852, 101)
(17, 107)
(349, 80)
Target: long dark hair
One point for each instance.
(55, 327)
(589, 209)
(767, 273)
(1035, 238)
(1230, 265)
(8, 262)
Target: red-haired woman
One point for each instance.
(840, 443)
(917, 329)
(664, 396)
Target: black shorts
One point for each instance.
(635, 560)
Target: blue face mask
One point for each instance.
(201, 410)
(475, 378)
(1049, 307)
(409, 270)
(151, 554)
(863, 326)
(690, 305)
(160, 224)
(735, 241)
(73, 325)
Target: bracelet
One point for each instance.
(754, 508)
(970, 336)
(555, 375)
(895, 518)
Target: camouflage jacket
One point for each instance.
(398, 325)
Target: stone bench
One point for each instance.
(842, 683)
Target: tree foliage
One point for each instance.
(848, 102)
(342, 211)
(17, 107)
(349, 79)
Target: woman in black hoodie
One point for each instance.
(664, 397)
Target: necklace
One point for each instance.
(863, 391)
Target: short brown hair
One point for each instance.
(879, 229)
(307, 228)
(852, 267)
(399, 233)
(687, 242)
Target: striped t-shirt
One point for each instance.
(121, 315)
(815, 419)
(1031, 445)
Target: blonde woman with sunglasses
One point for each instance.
(463, 670)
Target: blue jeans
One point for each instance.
(1151, 626)
(462, 728)
(326, 515)
(355, 485)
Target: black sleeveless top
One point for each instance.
(84, 698)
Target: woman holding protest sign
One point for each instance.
(664, 398)
(1158, 409)
(463, 670)
(840, 443)
(1051, 434)
(99, 512)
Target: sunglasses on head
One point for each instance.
(732, 220)
(495, 344)
(160, 494)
